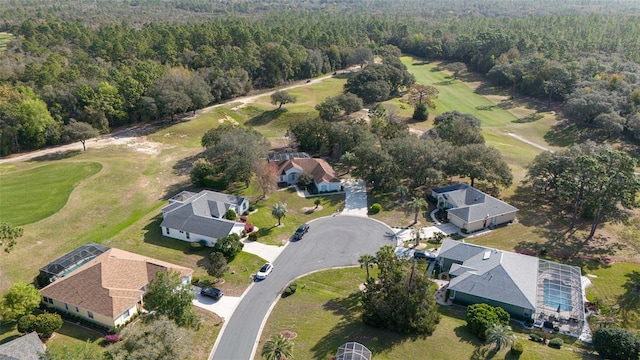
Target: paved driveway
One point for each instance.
(330, 242)
(355, 202)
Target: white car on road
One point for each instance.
(265, 270)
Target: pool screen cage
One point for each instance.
(559, 295)
(353, 351)
(69, 262)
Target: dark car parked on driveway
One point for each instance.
(424, 255)
(303, 229)
(211, 292)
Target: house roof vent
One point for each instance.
(487, 254)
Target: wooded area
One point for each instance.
(110, 73)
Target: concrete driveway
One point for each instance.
(355, 202)
(330, 242)
(223, 307)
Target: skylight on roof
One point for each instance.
(487, 254)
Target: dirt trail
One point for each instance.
(529, 142)
(134, 136)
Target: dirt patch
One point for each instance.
(229, 119)
(312, 209)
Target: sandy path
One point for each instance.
(529, 142)
(133, 136)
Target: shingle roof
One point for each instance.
(111, 283)
(318, 168)
(201, 213)
(492, 274)
(471, 204)
(27, 347)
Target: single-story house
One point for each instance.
(525, 286)
(324, 178)
(199, 217)
(27, 347)
(109, 289)
(483, 275)
(471, 209)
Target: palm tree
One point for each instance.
(277, 348)
(317, 202)
(402, 191)
(416, 204)
(500, 335)
(365, 261)
(415, 234)
(279, 211)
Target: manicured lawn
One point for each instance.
(33, 194)
(497, 123)
(272, 234)
(71, 336)
(324, 312)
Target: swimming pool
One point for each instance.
(557, 295)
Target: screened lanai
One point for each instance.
(353, 351)
(559, 296)
(67, 263)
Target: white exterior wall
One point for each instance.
(237, 229)
(330, 186)
(291, 176)
(181, 235)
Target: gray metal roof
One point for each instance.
(493, 274)
(471, 204)
(27, 347)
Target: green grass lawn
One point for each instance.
(33, 194)
(324, 312)
(497, 123)
(71, 336)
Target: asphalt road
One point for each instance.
(330, 242)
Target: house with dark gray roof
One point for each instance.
(523, 285)
(470, 209)
(199, 217)
(27, 347)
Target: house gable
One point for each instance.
(27, 347)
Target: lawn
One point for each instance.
(324, 313)
(30, 195)
(498, 119)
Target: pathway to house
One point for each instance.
(355, 202)
(425, 232)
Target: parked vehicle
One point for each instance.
(265, 270)
(303, 229)
(212, 292)
(424, 255)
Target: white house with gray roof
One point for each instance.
(199, 217)
(523, 285)
(471, 209)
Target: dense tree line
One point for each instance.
(113, 74)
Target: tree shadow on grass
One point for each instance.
(58, 155)
(630, 300)
(351, 328)
(266, 117)
(566, 134)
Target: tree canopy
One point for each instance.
(402, 298)
(168, 296)
(21, 299)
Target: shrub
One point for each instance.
(536, 338)
(48, 323)
(556, 329)
(27, 324)
(616, 343)
(254, 236)
(376, 208)
(290, 290)
(230, 215)
(251, 208)
(217, 265)
(517, 349)
(248, 227)
(481, 317)
(464, 230)
(112, 339)
(195, 280)
(229, 246)
(243, 218)
(556, 343)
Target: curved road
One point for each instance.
(330, 242)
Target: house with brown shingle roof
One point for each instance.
(324, 178)
(109, 289)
